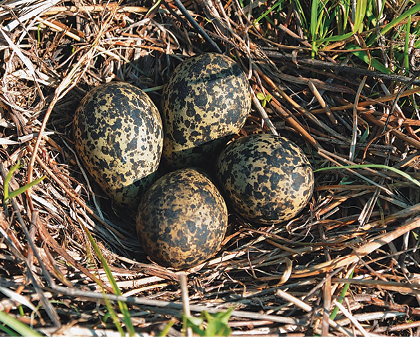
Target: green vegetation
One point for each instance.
(393, 169)
(359, 28)
(209, 324)
(11, 326)
(122, 305)
(23, 189)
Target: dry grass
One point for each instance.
(360, 228)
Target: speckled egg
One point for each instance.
(119, 137)
(267, 179)
(182, 219)
(206, 99)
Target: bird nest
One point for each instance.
(71, 264)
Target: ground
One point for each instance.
(339, 81)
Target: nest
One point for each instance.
(347, 265)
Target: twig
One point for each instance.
(174, 305)
(349, 316)
(321, 101)
(37, 10)
(288, 117)
(308, 308)
(395, 132)
(65, 86)
(196, 26)
(46, 304)
(185, 300)
(328, 156)
(80, 331)
(339, 67)
(95, 8)
(398, 327)
(352, 153)
(394, 104)
(362, 251)
(263, 114)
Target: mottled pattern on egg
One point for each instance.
(119, 137)
(182, 219)
(267, 179)
(207, 97)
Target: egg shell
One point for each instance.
(119, 138)
(182, 219)
(267, 179)
(207, 98)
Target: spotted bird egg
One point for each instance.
(267, 179)
(119, 138)
(206, 99)
(182, 219)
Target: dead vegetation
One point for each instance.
(360, 229)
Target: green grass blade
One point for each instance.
(360, 15)
(300, 12)
(157, 4)
(9, 332)
(20, 299)
(345, 15)
(406, 45)
(412, 11)
(314, 25)
(365, 135)
(262, 16)
(329, 21)
(117, 291)
(380, 10)
(401, 173)
(113, 315)
(335, 38)
(23, 189)
(6, 194)
(17, 326)
(314, 18)
(342, 295)
(361, 54)
(358, 25)
(7, 180)
(166, 329)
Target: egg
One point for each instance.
(267, 179)
(182, 219)
(207, 99)
(118, 136)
